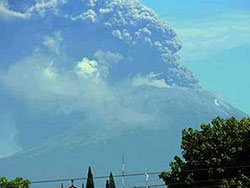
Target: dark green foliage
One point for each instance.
(90, 179)
(111, 181)
(107, 183)
(217, 155)
(16, 183)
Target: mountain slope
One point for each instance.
(101, 142)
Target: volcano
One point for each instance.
(84, 81)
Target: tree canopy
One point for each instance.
(16, 183)
(217, 155)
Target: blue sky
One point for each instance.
(216, 43)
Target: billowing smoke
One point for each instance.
(55, 96)
(92, 65)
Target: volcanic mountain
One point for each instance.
(84, 81)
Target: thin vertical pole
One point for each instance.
(123, 171)
(147, 178)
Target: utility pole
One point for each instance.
(147, 178)
(123, 171)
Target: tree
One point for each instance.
(107, 183)
(3, 182)
(216, 156)
(111, 181)
(16, 183)
(90, 179)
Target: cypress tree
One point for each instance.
(107, 183)
(111, 181)
(90, 179)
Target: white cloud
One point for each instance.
(6, 13)
(8, 142)
(72, 90)
(108, 58)
(208, 37)
(117, 34)
(106, 61)
(92, 3)
(89, 15)
(54, 42)
(87, 68)
(41, 6)
(152, 80)
(50, 71)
